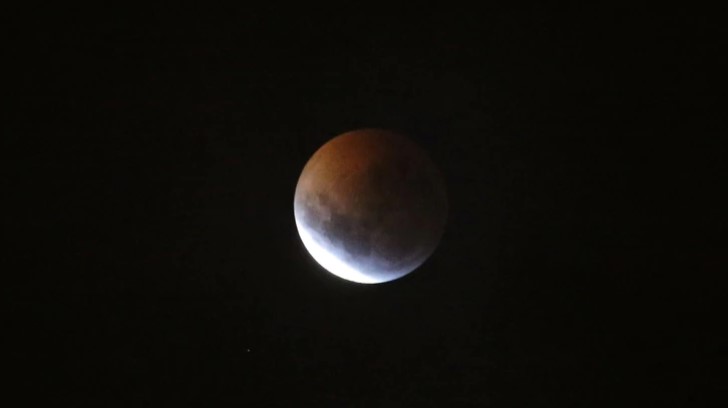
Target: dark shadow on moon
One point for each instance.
(382, 239)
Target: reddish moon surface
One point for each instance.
(370, 206)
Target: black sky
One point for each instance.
(153, 256)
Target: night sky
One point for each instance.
(153, 257)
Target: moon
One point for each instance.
(370, 206)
